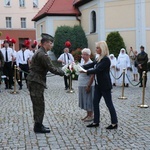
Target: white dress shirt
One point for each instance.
(20, 59)
(66, 58)
(9, 53)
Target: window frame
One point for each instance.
(41, 28)
(23, 23)
(6, 1)
(22, 3)
(8, 22)
(93, 22)
(36, 4)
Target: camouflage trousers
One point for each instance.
(37, 97)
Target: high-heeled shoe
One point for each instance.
(93, 125)
(112, 126)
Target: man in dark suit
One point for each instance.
(141, 60)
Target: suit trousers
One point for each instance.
(25, 68)
(37, 97)
(98, 93)
(65, 81)
(7, 70)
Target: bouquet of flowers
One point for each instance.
(72, 69)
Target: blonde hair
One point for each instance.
(104, 50)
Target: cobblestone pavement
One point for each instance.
(63, 116)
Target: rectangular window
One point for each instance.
(8, 22)
(23, 22)
(34, 24)
(7, 2)
(35, 3)
(22, 3)
(41, 29)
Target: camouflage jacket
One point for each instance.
(39, 67)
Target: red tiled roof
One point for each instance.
(78, 3)
(57, 8)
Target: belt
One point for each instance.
(8, 61)
(23, 64)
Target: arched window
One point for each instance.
(93, 22)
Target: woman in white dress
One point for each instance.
(86, 87)
(123, 62)
(113, 69)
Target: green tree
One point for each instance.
(115, 43)
(62, 34)
(74, 34)
(80, 37)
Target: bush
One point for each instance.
(115, 43)
(74, 34)
(77, 54)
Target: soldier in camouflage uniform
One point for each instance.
(36, 80)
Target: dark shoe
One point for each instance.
(20, 88)
(39, 128)
(66, 88)
(141, 86)
(114, 84)
(45, 127)
(127, 85)
(6, 88)
(112, 127)
(10, 88)
(93, 125)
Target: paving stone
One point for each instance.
(63, 116)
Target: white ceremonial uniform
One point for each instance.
(67, 58)
(7, 69)
(113, 68)
(9, 53)
(123, 62)
(22, 60)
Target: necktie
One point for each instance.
(68, 57)
(23, 56)
(6, 53)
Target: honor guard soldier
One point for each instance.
(39, 67)
(22, 61)
(7, 69)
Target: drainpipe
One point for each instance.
(77, 17)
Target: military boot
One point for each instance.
(39, 128)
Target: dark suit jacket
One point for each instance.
(142, 59)
(101, 70)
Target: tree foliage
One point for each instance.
(74, 34)
(115, 43)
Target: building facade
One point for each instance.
(16, 19)
(131, 18)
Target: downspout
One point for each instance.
(77, 17)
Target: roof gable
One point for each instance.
(57, 8)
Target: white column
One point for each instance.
(101, 21)
(140, 24)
